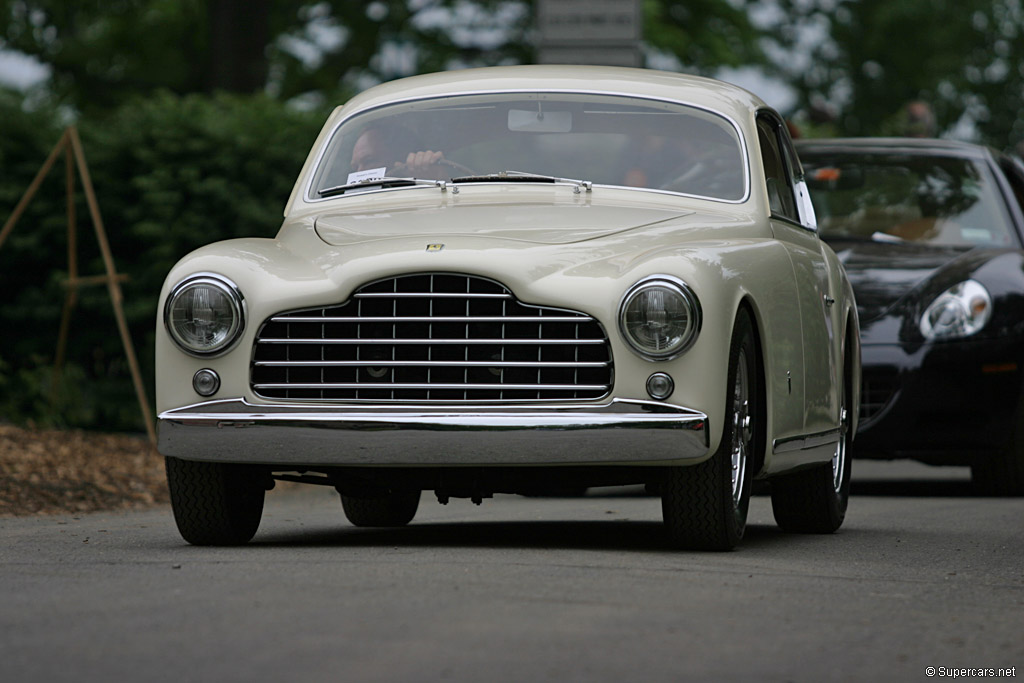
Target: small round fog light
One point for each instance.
(206, 382)
(660, 386)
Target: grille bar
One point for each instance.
(425, 385)
(433, 295)
(436, 363)
(429, 319)
(431, 342)
(439, 337)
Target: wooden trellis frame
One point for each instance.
(71, 146)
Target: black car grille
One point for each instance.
(433, 337)
(877, 388)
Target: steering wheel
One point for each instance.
(461, 168)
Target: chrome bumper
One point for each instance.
(619, 432)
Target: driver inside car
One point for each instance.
(387, 147)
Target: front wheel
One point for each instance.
(1002, 473)
(215, 503)
(705, 506)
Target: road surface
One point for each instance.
(522, 589)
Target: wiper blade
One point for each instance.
(523, 177)
(381, 182)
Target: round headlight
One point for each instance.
(660, 318)
(960, 311)
(203, 315)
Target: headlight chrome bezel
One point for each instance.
(675, 287)
(237, 306)
(960, 300)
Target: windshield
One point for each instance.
(947, 201)
(608, 140)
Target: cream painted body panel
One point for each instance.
(553, 247)
(725, 256)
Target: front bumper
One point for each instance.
(616, 433)
(944, 403)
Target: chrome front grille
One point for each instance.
(434, 338)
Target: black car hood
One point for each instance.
(883, 274)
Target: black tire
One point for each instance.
(1002, 473)
(395, 509)
(704, 508)
(215, 503)
(814, 501)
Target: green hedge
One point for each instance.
(171, 174)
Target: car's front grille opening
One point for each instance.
(877, 388)
(432, 337)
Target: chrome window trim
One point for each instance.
(237, 297)
(308, 198)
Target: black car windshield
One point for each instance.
(899, 197)
(603, 139)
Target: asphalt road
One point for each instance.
(921, 575)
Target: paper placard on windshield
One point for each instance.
(368, 174)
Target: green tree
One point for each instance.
(101, 52)
(171, 173)
(964, 57)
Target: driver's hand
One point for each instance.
(423, 164)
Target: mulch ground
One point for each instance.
(62, 472)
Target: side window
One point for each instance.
(778, 179)
(1014, 172)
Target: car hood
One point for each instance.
(885, 275)
(535, 223)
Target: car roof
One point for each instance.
(920, 146)
(712, 94)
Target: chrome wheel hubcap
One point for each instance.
(742, 428)
(839, 458)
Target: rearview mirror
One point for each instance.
(539, 121)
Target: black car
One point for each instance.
(930, 232)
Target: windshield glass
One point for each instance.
(948, 201)
(608, 140)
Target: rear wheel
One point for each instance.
(814, 501)
(215, 503)
(705, 506)
(395, 509)
(1002, 473)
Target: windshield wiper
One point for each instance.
(523, 177)
(381, 182)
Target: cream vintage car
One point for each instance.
(519, 280)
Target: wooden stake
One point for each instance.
(71, 145)
(33, 186)
(113, 285)
(71, 296)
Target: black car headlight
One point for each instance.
(960, 311)
(660, 318)
(204, 315)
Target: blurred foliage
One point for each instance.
(171, 173)
(102, 52)
(178, 163)
(964, 58)
(705, 34)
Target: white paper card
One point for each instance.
(368, 174)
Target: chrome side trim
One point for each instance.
(805, 442)
(617, 432)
